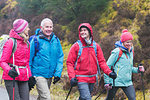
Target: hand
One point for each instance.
(31, 82)
(56, 79)
(74, 82)
(141, 68)
(13, 73)
(108, 86)
(113, 75)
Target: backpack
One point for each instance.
(3, 40)
(80, 52)
(120, 54)
(36, 42)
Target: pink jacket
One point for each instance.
(21, 56)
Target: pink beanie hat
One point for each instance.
(19, 25)
(126, 35)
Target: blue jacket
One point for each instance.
(123, 68)
(48, 61)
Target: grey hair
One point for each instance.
(46, 20)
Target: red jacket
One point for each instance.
(87, 63)
(21, 56)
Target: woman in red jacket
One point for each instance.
(20, 59)
(82, 69)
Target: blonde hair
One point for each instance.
(25, 37)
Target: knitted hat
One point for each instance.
(19, 25)
(126, 35)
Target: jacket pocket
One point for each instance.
(83, 65)
(23, 74)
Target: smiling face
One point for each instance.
(85, 33)
(127, 44)
(47, 28)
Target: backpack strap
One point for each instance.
(80, 52)
(133, 52)
(81, 48)
(36, 44)
(14, 46)
(120, 54)
(98, 68)
(95, 48)
(27, 43)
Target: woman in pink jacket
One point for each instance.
(82, 70)
(20, 72)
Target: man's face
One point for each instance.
(85, 33)
(47, 29)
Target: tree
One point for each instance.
(70, 9)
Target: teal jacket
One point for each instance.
(123, 68)
(48, 61)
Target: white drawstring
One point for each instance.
(16, 67)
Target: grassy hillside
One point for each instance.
(133, 15)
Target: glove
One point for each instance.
(74, 82)
(108, 86)
(13, 73)
(141, 69)
(56, 79)
(31, 82)
(113, 75)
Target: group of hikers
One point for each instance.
(42, 59)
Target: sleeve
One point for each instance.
(110, 62)
(72, 56)
(7, 50)
(60, 58)
(102, 61)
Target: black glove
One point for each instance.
(56, 79)
(31, 82)
(74, 82)
(113, 75)
(13, 73)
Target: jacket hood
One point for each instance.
(89, 27)
(118, 44)
(13, 34)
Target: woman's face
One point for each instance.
(85, 33)
(26, 31)
(128, 44)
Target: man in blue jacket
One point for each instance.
(47, 62)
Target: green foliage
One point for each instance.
(30, 6)
(66, 47)
(68, 8)
(10, 4)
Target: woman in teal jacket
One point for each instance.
(123, 67)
